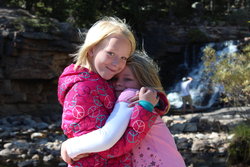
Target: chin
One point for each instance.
(107, 77)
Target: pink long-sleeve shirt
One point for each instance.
(158, 148)
(87, 101)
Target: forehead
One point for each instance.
(125, 72)
(117, 42)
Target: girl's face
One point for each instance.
(124, 80)
(109, 57)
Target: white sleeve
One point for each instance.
(103, 138)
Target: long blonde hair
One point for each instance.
(145, 70)
(98, 32)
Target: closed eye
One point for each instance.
(128, 79)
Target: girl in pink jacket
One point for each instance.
(158, 147)
(88, 99)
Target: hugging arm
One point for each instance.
(139, 124)
(103, 138)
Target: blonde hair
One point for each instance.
(145, 70)
(98, 32)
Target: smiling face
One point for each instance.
(125, 79)
(109, 57)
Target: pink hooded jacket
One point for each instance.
(87, 101)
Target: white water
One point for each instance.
(204, 95)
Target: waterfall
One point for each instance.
(204, 95)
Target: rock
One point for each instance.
(41, 125)
(200, 136)
(35, 157)
(48, 158)
(198, 145)
(4, 134)
(37, 135)
(190, 127)
(6, 152)
(62, 164)
(177, 128)
(25, 163)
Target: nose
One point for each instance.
(116, 61)
(118, 83)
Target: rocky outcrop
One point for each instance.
(34, 51)
(31, 61)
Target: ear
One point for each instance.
(91, 52)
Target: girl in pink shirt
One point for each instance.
(88, 99)
(158, 147)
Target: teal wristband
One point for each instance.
(147, 105)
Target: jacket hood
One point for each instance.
(70, 77)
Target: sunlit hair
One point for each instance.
(145, 70)
(100, 31)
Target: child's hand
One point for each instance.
(149, 94)
(132, 101)
(64, 154)
(78, 157)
